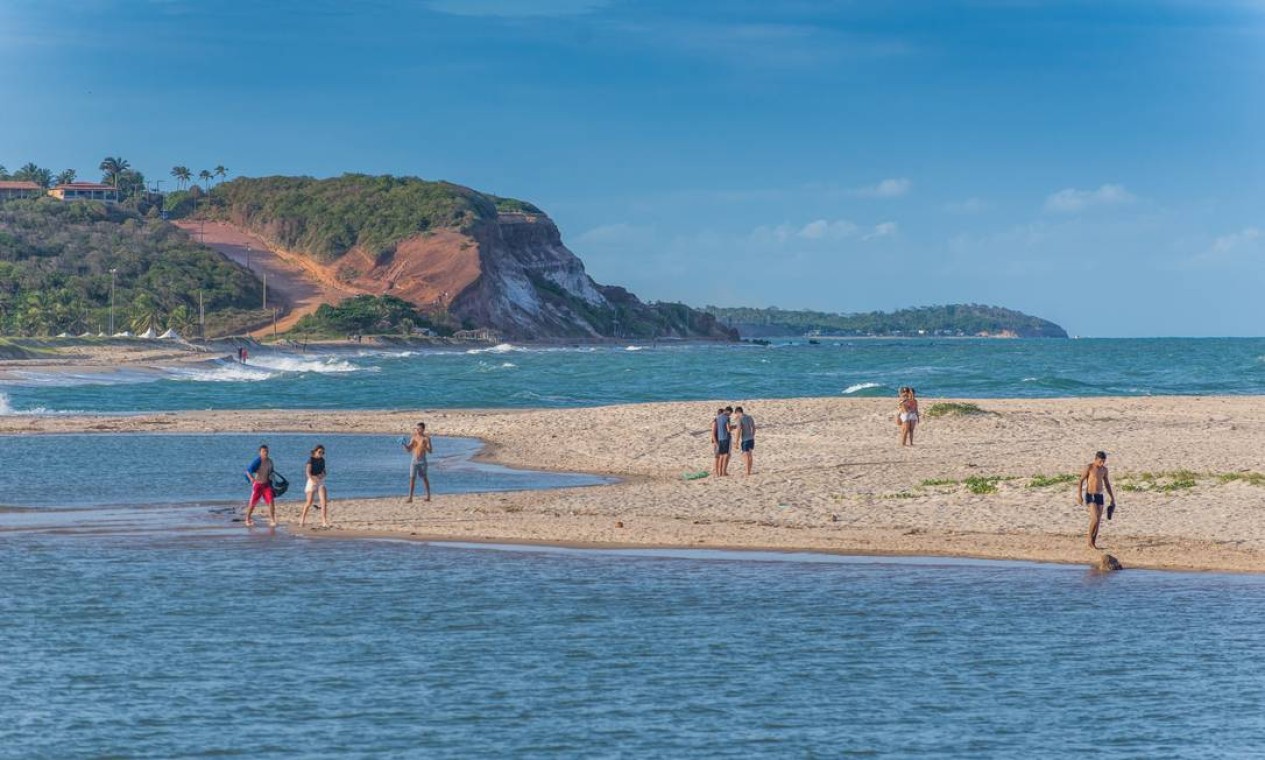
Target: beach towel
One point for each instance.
(696, 475)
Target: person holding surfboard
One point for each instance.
(260, 475)
(419, 445)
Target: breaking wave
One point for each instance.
(861, 387)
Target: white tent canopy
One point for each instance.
(149, 334)
(170, 335)
(124, 334)
(63, 335)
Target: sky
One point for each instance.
(1097, 163)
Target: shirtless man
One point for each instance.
(420, 446)
(1092, 483)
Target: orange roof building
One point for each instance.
(16, 189)
(85, 191)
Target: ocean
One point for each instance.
(560, 376)
(138, 621)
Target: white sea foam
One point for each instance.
(501, 348)
(7, 410)
(633, 348)
(860, 387)
(321, 365)
(508, 365)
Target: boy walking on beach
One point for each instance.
(720, 442)
(743, 426)
(1092, 483)
(260, 474)
(420, 446)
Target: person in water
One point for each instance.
(419, 446)
(316, 486)
(1091, 485)
(743, 427)
(907, 415)
(260, 474)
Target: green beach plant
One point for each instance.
(955, 408)
(1045, 481)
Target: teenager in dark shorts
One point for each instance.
(721, 442)
(315, 470)
(1092, 483)
(260, 474)
(744, 429)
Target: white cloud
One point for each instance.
(517, 8)
(1236, 248)
(969, 206)
(822, 230)
(888, 188)
(882, 230)
(618, 233)
(1070, 200)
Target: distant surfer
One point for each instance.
(721, 441)
(316, 486)
(1091, 485)
(419, 445)
(260, 474)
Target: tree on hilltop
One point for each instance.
(221, 172)
(111, 168)
(32, 173)
(182, 175)
(206, 176)
(4, 173)
(66, 177)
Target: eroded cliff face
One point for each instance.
(532, 286)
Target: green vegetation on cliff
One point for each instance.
(55, 262)
(954, 319)
(369, 315)
(325, 218)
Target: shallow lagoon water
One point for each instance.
(276, 646)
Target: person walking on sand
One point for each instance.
(260, 475)
(1092, 483)
(720, 442)
(316, 486)
(743, 427)
(420, 446)
(907, 415)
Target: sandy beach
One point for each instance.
(829, 477)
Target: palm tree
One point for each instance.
(4, 173)
(146, 312)
(112, 168)
(66, 177)
(206, 176)
(182, 175)
(221, 172)
(182, 319)
(32, 173)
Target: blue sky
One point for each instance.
(1099, 163)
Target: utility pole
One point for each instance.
(274, 323)
(201, 317)
(265, 291)
(248, 256)
(113, 273)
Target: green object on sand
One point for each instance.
(696, 475)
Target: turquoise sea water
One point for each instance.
(517, 376)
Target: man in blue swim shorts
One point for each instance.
(419, 445)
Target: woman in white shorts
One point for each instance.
(316, 484)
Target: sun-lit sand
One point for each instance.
(829, 477)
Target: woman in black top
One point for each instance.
(316, 484)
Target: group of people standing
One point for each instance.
(266, 484)
(730, 423)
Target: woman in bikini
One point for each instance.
(907, 416)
